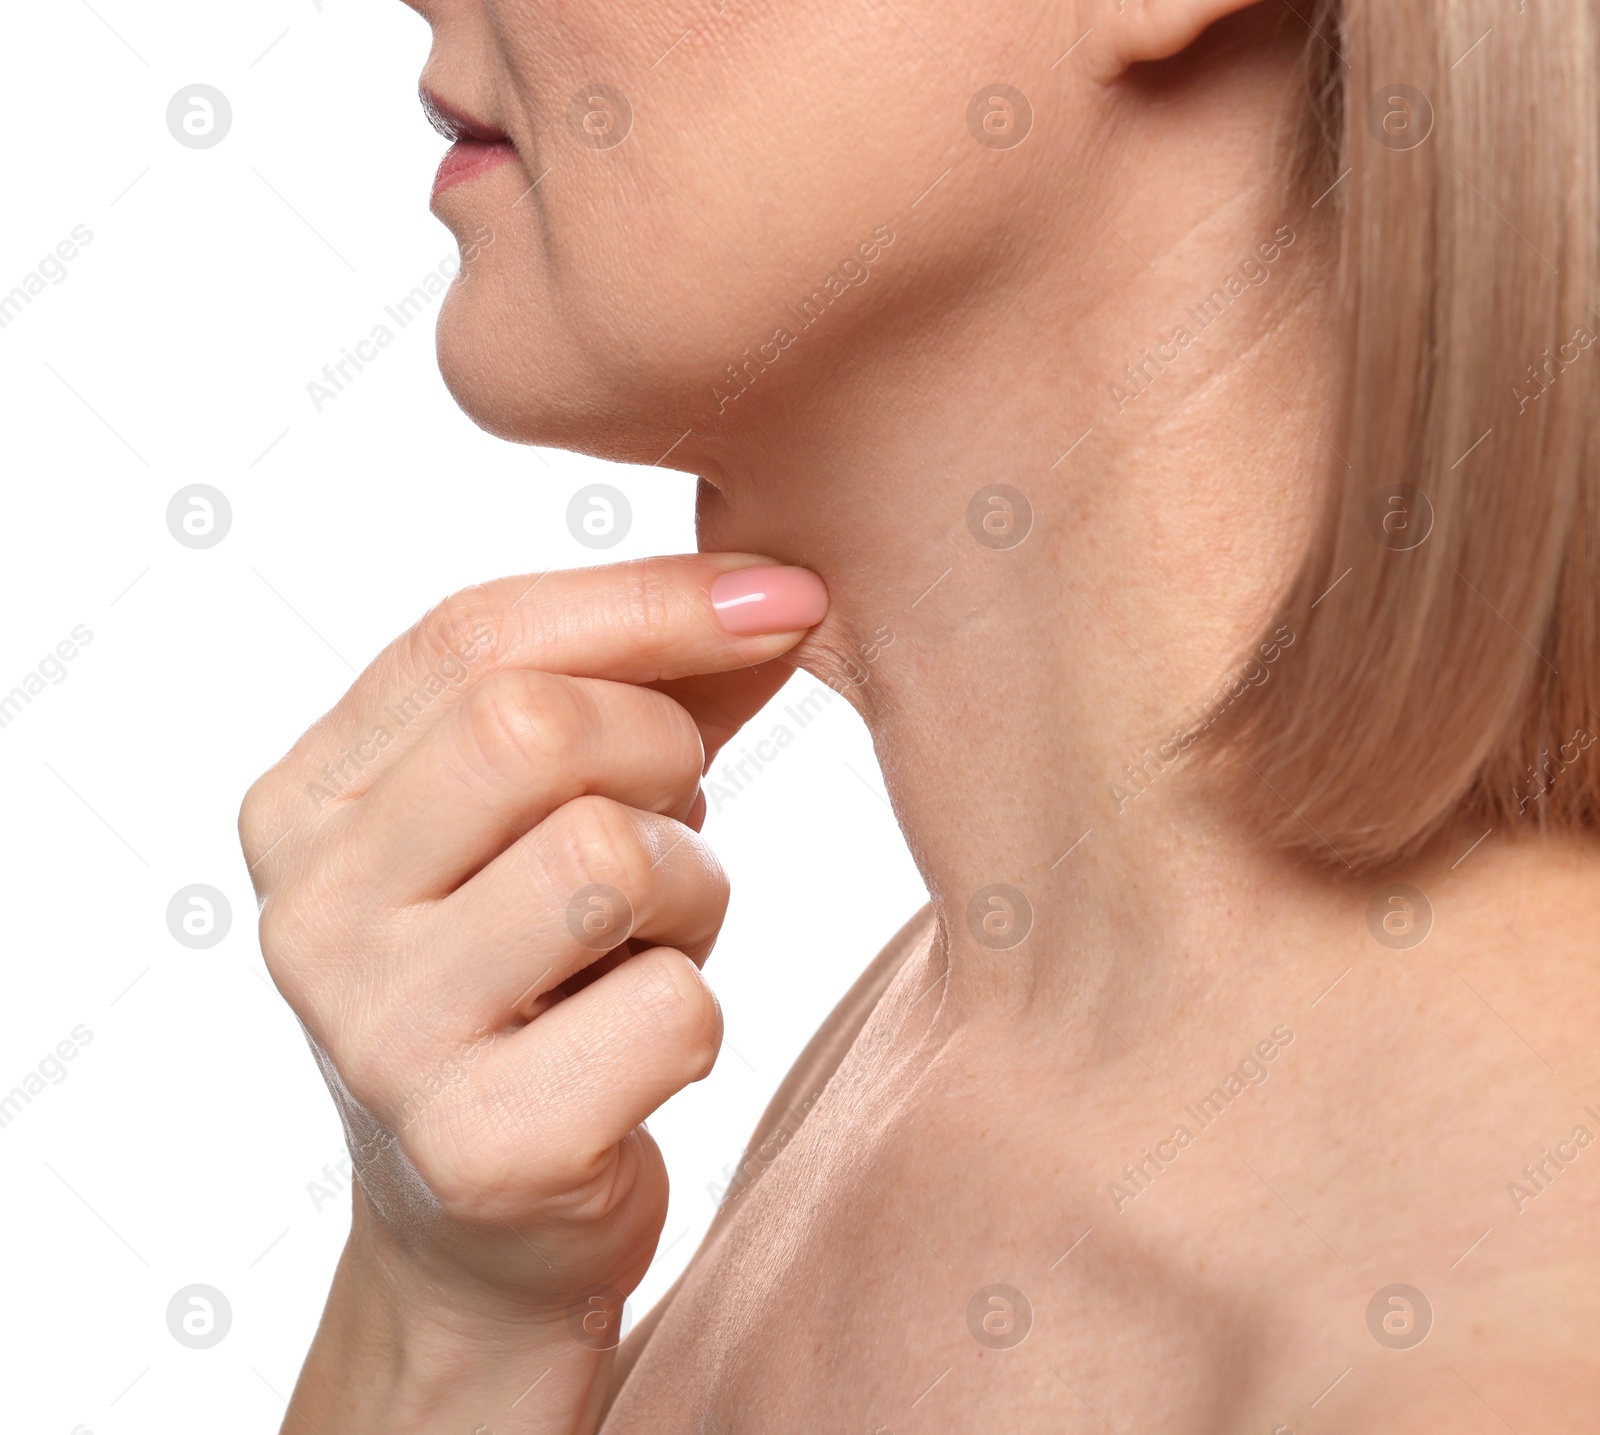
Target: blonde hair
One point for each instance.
(1442, 673)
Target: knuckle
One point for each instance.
(261, 817)
(469, 1188)
(603, 843)
(365, 1059)
(320, 957)
(476, 1170)
(517, 720)
(290, 931)
(463, 628)
(684, 751)
(685, 1009)
(253, 810)
(713, 875)
(646, 604)
(385, 1057)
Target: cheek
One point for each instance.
(605, 291)
(763, 145)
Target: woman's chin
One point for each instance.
(523, 403)
(500, 384)
(505, 379)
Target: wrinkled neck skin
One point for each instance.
(1009, 690)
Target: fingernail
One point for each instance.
(768, 600)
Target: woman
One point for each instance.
(1177, 448)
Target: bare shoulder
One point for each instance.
(821, 1056)
(793, 1099)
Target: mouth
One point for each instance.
(477, 147)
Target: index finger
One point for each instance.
(651, 620)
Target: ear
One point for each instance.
(1144, 30)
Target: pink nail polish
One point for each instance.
(768, 600)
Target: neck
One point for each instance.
(1019, 695)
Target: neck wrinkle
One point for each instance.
(1011, 690)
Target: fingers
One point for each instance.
(647, 621)
(505, 808)
(518, 747)
(433, 977)
(544, 1109)
(592, 876)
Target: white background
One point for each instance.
(181, 1145)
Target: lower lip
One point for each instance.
(467, 159)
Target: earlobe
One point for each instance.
(1146, 30)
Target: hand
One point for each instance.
(484, 894)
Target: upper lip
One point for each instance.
(457, 124)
